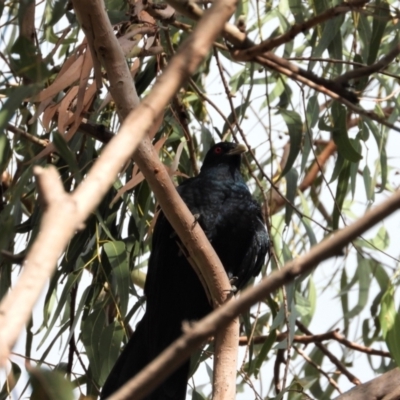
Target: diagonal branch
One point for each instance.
(296, 29)
(369, 69)
(181, 349)
(385, 387)
(65, 214)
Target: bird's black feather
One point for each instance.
(233, 223)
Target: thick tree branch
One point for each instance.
(225, 361)
(384, 387)
(181, 349)
(57, 227)
(181, 67)
(66, 213)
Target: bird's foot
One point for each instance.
(196, 219)
(233, 280)
(188, 325)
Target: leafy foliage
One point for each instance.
(317, 163)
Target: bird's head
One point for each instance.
(224, 153)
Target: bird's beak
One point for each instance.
(239, 149)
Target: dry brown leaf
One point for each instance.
(135, 67)
(65, 78)
(63, 81)
(48, 116)
(138, 177)
(73, 121)
(63, 117)
(83, 81)
(175, 163)
(74, 56)
(144, 16)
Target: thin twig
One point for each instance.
(352, 378)
(27, 135)
(318, 368)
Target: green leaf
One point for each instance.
(197, 396)
(335, 49)
(365, 32)
(62, 302)
(303, 305)
(287, 254)
(390, 324)
(381, 240)
(102, 343)
(15, 99)
(146, 76)
(339, 134)
(266, 347)
(66, 153)
(11, 382)
(27, 62)
(50, 385)
(312, 299)
(381, 17)
(296, 10)
(120, 274)
(344, 295)
(369, 190)
(339, 165)
(274, 93)
(354, 168)
(308, 143)
(341, 191)
(291, 189)
(309, 230)
(332, 27)
(312, 111)
(295, 128)
(238, 113)
(364, 282)
(381, 140)
(238, 80)
(56, 10)
(5, 152)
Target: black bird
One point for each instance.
(233, 223)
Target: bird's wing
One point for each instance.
(259, 247)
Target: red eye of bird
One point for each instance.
(218, 150)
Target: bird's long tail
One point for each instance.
(140, 350)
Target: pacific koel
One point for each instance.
(233, 223)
